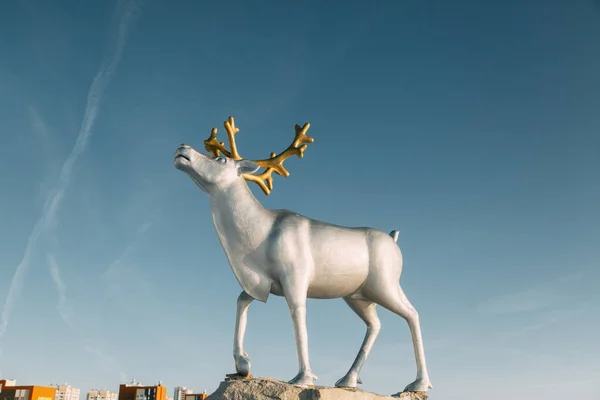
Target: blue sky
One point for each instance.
(471, 127)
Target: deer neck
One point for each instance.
(242, 223)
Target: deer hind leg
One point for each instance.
(242, 361)
(366, 310)
(393, 298)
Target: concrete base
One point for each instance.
(272, 389)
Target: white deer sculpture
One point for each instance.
(286, 254)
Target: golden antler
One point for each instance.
(275, 162)
(215, 147)
(272, 164)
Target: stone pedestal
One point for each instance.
(271, 389)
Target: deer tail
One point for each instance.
(394, 234)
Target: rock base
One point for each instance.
(272, 389)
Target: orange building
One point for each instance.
(137, 391)
(196, 396)
(10, 391)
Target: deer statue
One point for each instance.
(283, 253)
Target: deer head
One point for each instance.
(223, 167)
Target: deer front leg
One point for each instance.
(242, 361)
(295, 295)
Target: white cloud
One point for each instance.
(63, 309)
(126, 11)
(124, 270)
(105, 361)
(108, 363)
(144, 227)
(38, 125)
(528, 300)
(546, 320)
(535, 298)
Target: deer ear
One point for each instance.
(247, 167)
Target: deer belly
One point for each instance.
(338, 270)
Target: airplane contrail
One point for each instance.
(63, 309)
(106, 361)
(125, 13)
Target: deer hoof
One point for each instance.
(348, 381)
(420, 385)
(242, 364)
(303, 379)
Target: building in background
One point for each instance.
(196, 396)
(10, 391)
(66, 392)
(180, 392)
(137, 391)
(103, 394)
(7, 382)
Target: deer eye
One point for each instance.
(221, 160)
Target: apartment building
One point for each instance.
(196, 396)
(137, 391)
(7, 382)
(10, 391)
(98, 394)
(180, 392)
(66, 392)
